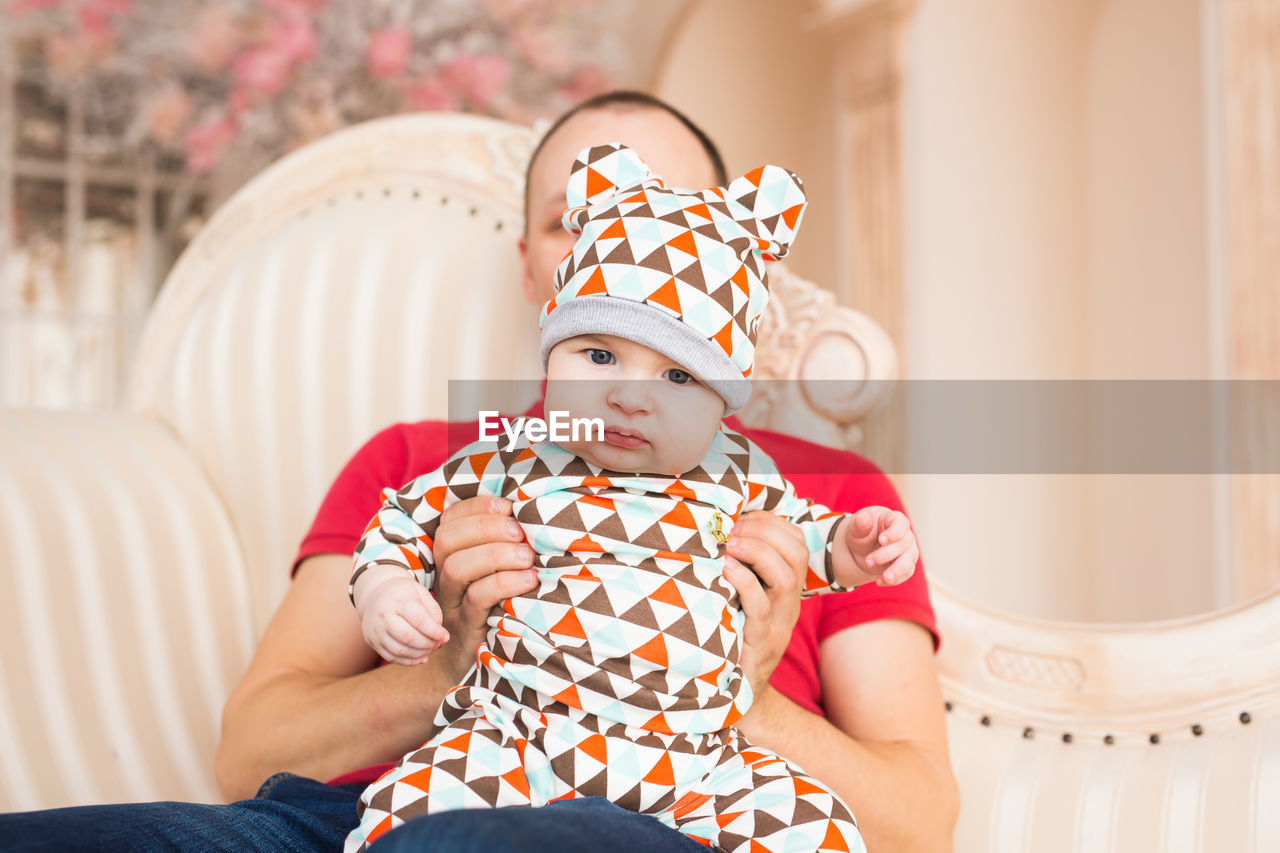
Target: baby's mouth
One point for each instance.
(623, 437)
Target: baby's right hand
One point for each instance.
(401, 621)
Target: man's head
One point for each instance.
(671, 144)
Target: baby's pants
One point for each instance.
(715, 788)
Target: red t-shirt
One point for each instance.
(402, 452)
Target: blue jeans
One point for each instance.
(293, 813)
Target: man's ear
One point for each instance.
(526, 277)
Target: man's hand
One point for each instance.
(481, 560)
(881, 546)
(769, 591)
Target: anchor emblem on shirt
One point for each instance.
(717, 528)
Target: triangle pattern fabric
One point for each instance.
(627, 222)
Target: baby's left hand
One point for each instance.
(882, 544)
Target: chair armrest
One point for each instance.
(125, 616)
(1075, 736)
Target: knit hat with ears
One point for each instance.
(678, 271)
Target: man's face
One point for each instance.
(658, 418)
(666, 145)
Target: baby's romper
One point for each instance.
(618, 676)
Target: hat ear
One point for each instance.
(598, 174)
(775, 198)
(603, 171)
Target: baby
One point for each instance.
(618, 676)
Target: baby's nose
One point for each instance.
(632, 396)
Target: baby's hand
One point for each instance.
(883, 544)
(401, 621)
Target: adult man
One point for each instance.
(315, 703)
(313, 683)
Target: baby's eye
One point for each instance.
(600, 356)
(676, 376)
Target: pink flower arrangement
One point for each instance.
(431, 93)
(267, 75)
(388, 53)
(206, 143)
(212, 39)
(165, 113)
(478, 78)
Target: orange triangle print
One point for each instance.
(381, 829)
(461, 743)
(728, 818)
(679, 490)
(791, 214)
(586, 543)
(804, 786)
(617, 229)
(684, 242)
(712, 677)
(411, 558)
(699, 209)
(754, 175)
(655, 650)
(479, 461)
(724, 337)
(516, 779)
(569, 696)
(834, 839)
(569, 626)
(667, 297)
(596, 182)
(435, 498)
(669, 594)
(688, 803)
(420, 780)
(596, 747)
(594, 284)
(680, 517)
(661, 773)
(596, 482)
(740, 279)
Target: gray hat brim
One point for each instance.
(648, 326)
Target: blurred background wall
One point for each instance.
(1013, 190)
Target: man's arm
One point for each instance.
(313, 700)
(883, 745)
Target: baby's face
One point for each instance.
(658, 419)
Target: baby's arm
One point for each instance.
(394, 569)
(845, 551)
(874, 544)
(394, 562)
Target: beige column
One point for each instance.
(1251, 145)
(868, 72)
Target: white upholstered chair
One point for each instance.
(143, 550)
